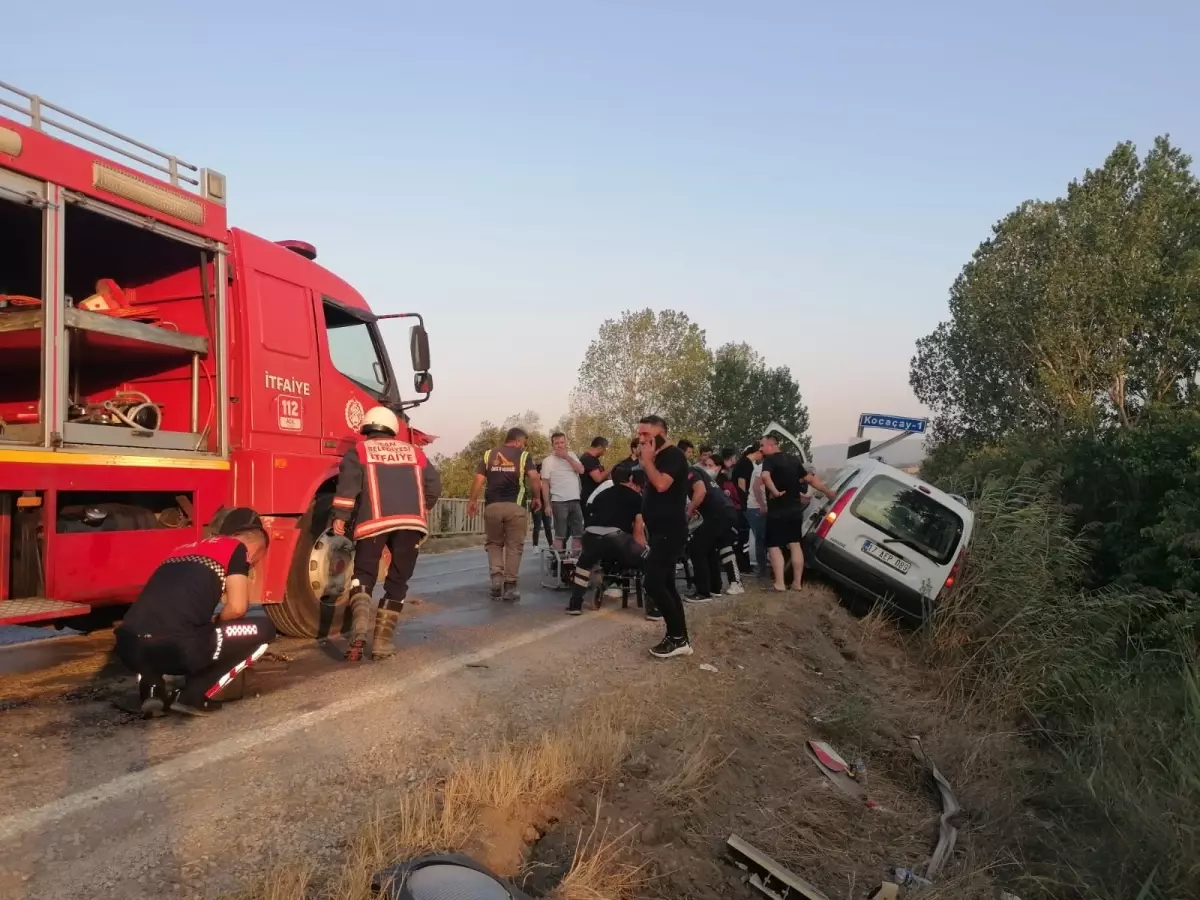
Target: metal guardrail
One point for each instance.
(449, 518)
(34, 108)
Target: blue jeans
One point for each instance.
(758, 527)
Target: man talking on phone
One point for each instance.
(664, 510)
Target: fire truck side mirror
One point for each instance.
(423, 383)
(418, 346)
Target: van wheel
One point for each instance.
(315, 605)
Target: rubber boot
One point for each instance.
(385, 631)
(360, 625)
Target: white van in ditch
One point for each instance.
(888, 536)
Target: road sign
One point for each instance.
(892, 423)
(858, 448)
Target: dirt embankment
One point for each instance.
(635, 794)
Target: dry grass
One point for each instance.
(600, 869)
(692, 778)
(503, 784)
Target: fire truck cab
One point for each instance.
(157, 368)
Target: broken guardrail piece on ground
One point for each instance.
(948, 830)
(767, 875)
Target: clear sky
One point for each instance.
(806, 179)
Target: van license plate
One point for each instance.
(873, 549)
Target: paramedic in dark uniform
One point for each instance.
(710, 546)
(170, 629)
(615, 532)
(388, 486)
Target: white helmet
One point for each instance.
(380, 418)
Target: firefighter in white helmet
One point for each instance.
(388, 486)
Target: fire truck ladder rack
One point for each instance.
(180, 173)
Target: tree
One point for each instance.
(458, 471)
(642, 363)
(1076, 314)
(746, 395)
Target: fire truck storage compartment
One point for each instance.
(21, 272)
(22, 546)
(140, 326)
(109, 567)
(89, 512)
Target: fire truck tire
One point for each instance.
(303, 613)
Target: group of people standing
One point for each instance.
(662, 504)
(646, 513)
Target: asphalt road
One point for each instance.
(89, 793)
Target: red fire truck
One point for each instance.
(157, 368)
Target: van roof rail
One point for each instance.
(178, 172)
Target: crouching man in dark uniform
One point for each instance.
(389, 486)
(615, 532)
(170, 630)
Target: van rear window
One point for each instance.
(912, 518)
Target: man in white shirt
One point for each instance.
(560, 489)
(756, 511)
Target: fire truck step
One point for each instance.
(38, 609)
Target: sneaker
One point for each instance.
(699, 598)
(201, 707)
(669, 646)
(511, 594)
(653, 615)
(152, 691)
(735, 589)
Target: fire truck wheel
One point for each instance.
(315, 603)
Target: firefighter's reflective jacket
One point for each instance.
(388, 484)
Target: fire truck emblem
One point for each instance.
(354, 414)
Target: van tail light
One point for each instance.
(952, 578)
(838, 506)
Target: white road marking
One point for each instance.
(40, 818)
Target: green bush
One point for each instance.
(1103, 681)
(1133, 492)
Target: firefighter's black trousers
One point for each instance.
(208, 657)
(368, 553)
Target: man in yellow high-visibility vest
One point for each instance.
(504, 470)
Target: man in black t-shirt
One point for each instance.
(786, 484)
(664, 509)
(594, 472)
(615, 533)
(169, 629)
